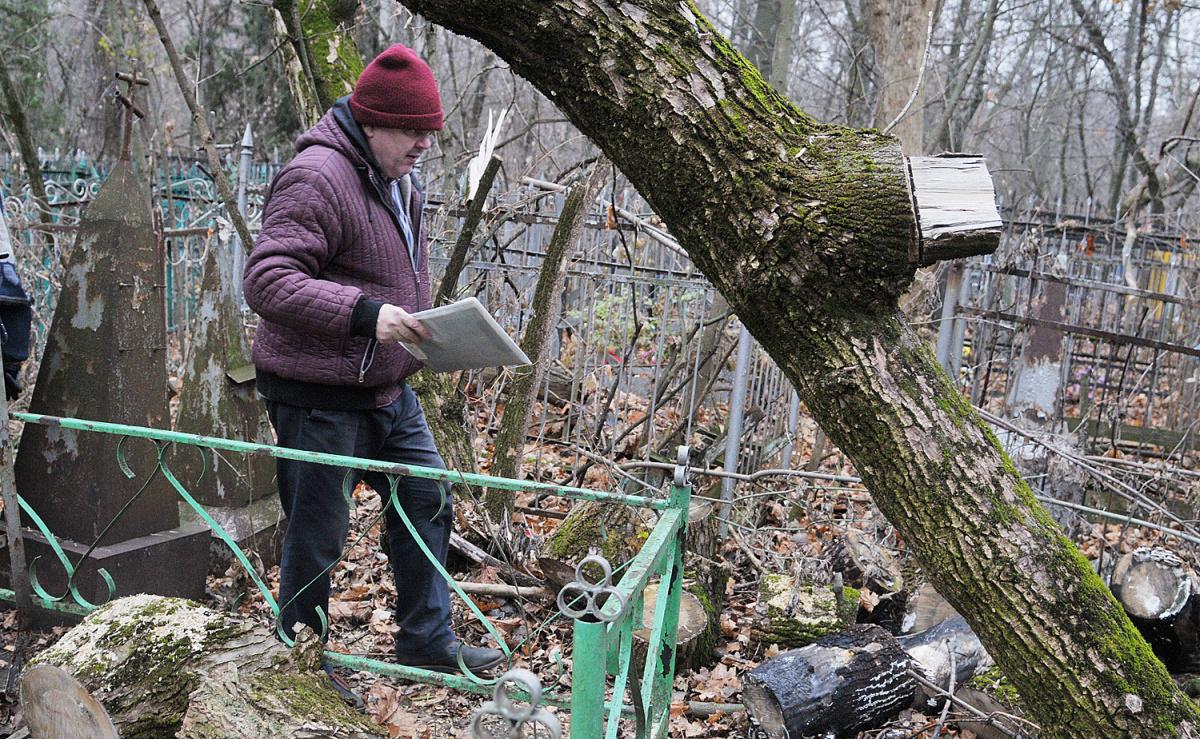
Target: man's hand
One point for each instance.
(396, 324)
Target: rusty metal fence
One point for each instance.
(1080, 327)
(1120, 312)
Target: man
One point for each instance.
(16, 314)
(339, 266)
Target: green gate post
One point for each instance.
(589, 653)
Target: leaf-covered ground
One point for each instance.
(781, 525)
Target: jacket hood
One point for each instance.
(338, 130)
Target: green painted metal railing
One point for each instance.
(604, 615)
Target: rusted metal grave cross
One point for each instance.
(132, 82)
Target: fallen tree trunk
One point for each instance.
(841, 684)
(170, 667)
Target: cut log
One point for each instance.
(1158, 591)
(693, 629)
(170, 667)
(948, 649)
(860, 678)
(795, 615)
(841, 684)
(56, 705)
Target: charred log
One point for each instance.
(840, 684)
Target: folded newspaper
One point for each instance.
(464, 336)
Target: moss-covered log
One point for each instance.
(806, 229)
(795, 615)
(170, 667)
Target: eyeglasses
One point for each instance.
(420, 133)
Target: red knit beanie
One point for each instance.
(397, 90)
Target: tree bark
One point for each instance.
(859, 678)
(320, 55)
(15, 111)
(897, 32)
(509, 445)
(805, 228)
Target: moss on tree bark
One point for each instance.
(805, 228)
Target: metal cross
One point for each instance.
(132, 82)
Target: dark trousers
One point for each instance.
(318, 516)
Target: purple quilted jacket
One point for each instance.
(328, 241)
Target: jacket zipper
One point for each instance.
(369, 355)
(367, 360)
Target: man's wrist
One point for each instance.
(365, 317)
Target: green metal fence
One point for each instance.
(608, 685)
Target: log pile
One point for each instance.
(170, 667)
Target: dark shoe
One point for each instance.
(477, 659)
(348, 696)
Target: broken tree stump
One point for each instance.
(864, 563)
(1158, 591)
(170, 667)
(842, 683)
(612, 529)
(705, 574)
